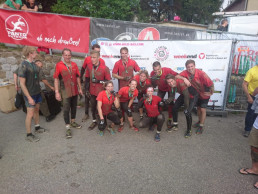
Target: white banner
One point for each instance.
(210, 56)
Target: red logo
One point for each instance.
(149, 34)
(201, 56)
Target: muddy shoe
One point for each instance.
(121, 127)
(92, 126)
(40, 129)
(85, 118)
(188, 134)
(75, 125)
(68, 134)
(199, 130)
(32, 138)
(196, 125)
(169, 123)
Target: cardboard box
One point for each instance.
(7, 98)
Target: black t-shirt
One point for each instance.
(31, 7)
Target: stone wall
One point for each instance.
(11, 58)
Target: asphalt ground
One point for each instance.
(127, 162)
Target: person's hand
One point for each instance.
(168, 101)
(80, 92)
(119, 113)
(187, 82)
(129, 111)
(87, 93)
(126, 78)
(207, 93)
(58, 96)
(250, 100)
(31, 101)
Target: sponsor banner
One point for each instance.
(104, 29)
(210, 56)
(47, 30)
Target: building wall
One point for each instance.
(239, 5)
(252, 5)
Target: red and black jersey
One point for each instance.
(87, 61)
(200, 81)
(68, 77)
(101, 73)
(180, 87)
(125, 70)
(142, 86)
(106, 102)
(152, 107)
(125, 95)
(161, 82)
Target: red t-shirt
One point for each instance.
(200, 81)
(68, 78)
(101, 73)
(125, 70)
(124, 93)
(87, 61)
(180, 86)
(153, 107)
(142, 87)
(106, 102)
(161, 82)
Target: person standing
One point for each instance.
(158, 78)
(249, 84)
(68, 74)
(143, 82)
(96, 74)
(29, 77)
(13, 4)
(86, 62)
(124, 68)
(154, 116)
(185, 98)
(202, 83)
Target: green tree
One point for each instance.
(115, 9)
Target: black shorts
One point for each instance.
(203, 103)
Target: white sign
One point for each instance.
(210, 56)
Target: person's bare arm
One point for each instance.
(79, 85)
(186, 81)
(16, 5)
(131, 102)
(6, 6)
(48, 84)
(99, 105)
(245, 88)
(15, 79)
(57, 93)
(117, 76)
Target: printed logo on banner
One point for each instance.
(216, 80)
(201, 56)
(243, 49)
(180, 68)
(185, 56)
(126, 36)
(16, 27)
(161, 53)
(149, 34)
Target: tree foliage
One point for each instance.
(115, 9)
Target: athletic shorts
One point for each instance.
(253, 138)
(203, 103)
(37, 98)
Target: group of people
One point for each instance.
(29, 5)
(193, 85)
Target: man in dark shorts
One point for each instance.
(96, 74)
(86, 62)
(205, 88)
(68, 73)
(158, 78)
(124, 68)
(185, 98)
(126, 96)
(29, 77)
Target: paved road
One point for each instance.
(127, 162)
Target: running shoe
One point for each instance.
(101, 133)
(134, 128)
(121, 127)
(199, 130)
(32, 138)
(76, 125)
(85, 118)
(111, 130)
(157, 137)
(196, 125)
(68, 133)
(188, 134)
(169, 123)
(92, 126)
(40, 129)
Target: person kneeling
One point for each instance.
(105, 100)
(154, 116)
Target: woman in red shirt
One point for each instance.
(105, 100)
(154, 115)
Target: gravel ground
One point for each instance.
(127, 162)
